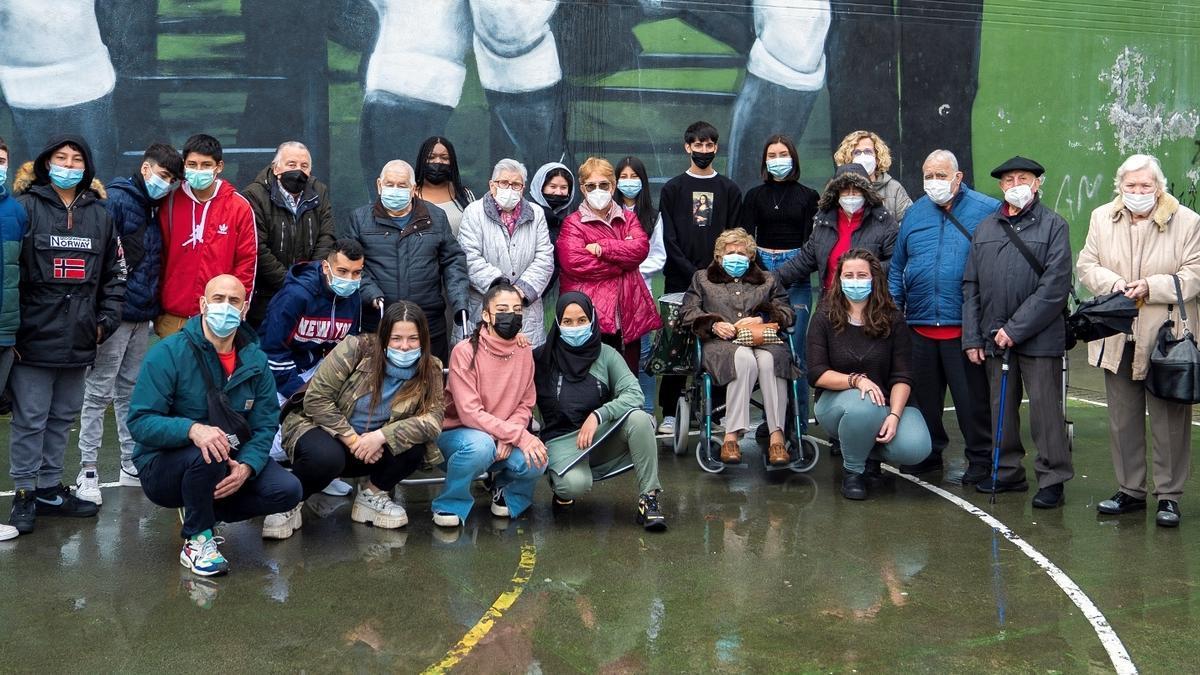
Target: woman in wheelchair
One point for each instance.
(373, 408)
(858, 361)
(739, 311)
(591, 404)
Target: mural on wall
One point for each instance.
(365, 81)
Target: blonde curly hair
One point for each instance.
(735, 236)
(845, 151)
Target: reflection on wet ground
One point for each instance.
(757, 573)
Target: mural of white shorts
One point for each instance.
(789, 45)
(51, 55)
(421, 45)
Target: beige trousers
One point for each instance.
(755, 365)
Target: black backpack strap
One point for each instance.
(965, 233)
(1179, 297)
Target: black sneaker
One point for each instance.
(1168, 513)
(854, 486)
(650, 516)
(874, 473)
(1121, 503)
(928, 465)
(975, 474)
(24, 512)
(985, 485)
(1049, 497)
(560, 505)
(58, 501)
(499, 506)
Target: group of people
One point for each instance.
(295, 351)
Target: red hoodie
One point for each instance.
(202, 240)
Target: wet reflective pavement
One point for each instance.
(757, 573)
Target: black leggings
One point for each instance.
(319, 458)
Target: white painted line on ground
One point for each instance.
(10, 493)
(1117, 653)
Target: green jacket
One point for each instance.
(170, 395)
(345, 376)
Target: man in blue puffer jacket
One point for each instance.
(13, 223)
(925, 279)
(132, 204)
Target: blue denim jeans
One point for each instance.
(469, 452)
(800, 295)
(646, 380)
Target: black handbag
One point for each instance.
(220, 413)
(1174, 372)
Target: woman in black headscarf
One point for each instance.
(588, 398)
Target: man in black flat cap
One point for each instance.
(1015, 287)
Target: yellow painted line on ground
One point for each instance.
(459, 651)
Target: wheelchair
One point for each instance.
(679, 352)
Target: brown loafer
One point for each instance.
(777, 454)
(731, 452)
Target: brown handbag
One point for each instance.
(757, 335)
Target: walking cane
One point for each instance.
(999, 422)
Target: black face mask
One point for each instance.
(437, 173)
(703, 159)
(506, 325)
(556, 201)
(293, 181)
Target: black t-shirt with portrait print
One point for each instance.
(695, 210)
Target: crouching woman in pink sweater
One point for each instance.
(489, 401)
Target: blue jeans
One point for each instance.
(469, 452)
(800, 295)
(855, 421)
(646, 380)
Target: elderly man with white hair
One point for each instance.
(925, 279)
(1146, 244)
(505, 238)
(411, 255)
(294, 220)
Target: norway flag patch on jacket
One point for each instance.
(70, 268)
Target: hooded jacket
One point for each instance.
(171, 395)
(554, 217)
(202, 240)
(895, 197)
(926, 272)
(415, 263)
(876, 234)
(285, 238)
(72, 266)
(135, 216)
(304, 322)
(13, 223)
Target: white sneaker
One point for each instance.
(442, 519)
(7, 532)
(129, 476)
(282, 525)
(87, 486)
(378, 509)
(337, 488)
(668, 425)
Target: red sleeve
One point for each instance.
(245, 255)
(574, 259)
(627, 254)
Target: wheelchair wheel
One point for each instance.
(808, 454)
(1070, 436)
(704, 454)
(683, 424)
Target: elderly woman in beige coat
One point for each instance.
(1135, 244)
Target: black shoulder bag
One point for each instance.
(1174, 372)
(220, 413)
(959, 225)
(1040, 269)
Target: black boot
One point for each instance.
(93, 120)
(24, 511)
(763, 108)
(531, 124)
(854, 486)
(394, 127)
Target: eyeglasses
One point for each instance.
(602, 185)
(864, 151)
(506, 184)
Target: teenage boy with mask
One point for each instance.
(696, 207)
(208, 230)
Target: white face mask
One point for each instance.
(867, 162)
(939, 191)
(1139, 204)
(1019, 196)
(599, 199)
(507, 198)
(852, 204)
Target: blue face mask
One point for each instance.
(3, 173)
(343, 287)
(64, 178)
(395, 198)
(222, 318)
(575, 336)
(403, 359)
(779, 166)
(630, 187)
(199, 179)
(156, 188)
(735, 264)
(856, 290)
